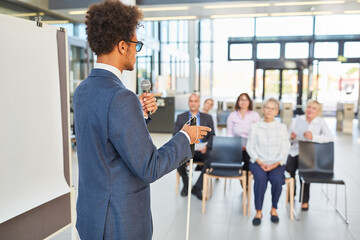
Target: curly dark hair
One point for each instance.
(237, 107)
(108, 23)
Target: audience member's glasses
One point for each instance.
(138, 45)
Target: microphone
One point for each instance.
(192, 146)
(145, 86)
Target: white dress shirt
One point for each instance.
(319, 129)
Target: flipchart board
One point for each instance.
(35, 177)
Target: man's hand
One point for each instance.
(196, 132)
(148, 103)
(203, 151)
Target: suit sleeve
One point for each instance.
(130, 137)
(178, 125)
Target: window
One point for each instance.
(241, 51)
(284, 26)
(268, 50)
(326, 50)
(296, 50)
(352, 50)
(337, 24)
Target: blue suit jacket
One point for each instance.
(117, 160)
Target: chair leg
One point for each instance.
(225, 185)
(243, 183)
(205, 186)
(336, 196)
(251, 177)
(211, 188)
(208, 188)
(292, 186)
(287, 190)
(177, 183)
(346, 216)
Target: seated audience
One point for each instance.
(239, 121)
(202, 155)
(310, 127)
(268, 146)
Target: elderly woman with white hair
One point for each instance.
(268, 146)
(308, 127)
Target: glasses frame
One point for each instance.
(138, 46)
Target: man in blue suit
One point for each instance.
(117, 158)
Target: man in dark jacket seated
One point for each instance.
(202, 154)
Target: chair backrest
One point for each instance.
(226, 150)
(316, 157)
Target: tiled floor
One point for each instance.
(224, 218)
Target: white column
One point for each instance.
(192, 55)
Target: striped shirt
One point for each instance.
(269, 142)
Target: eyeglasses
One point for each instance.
(270, 108)
(138, 45)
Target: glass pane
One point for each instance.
(268, 50)
(164, 31)
(181, 31)
(328, 86)
(337, 24)
(77, 67)
(238, 27)
(349, 83)
(296, 50)
(289, 86)
(305, 91)
(205, 51)
(326, 50)
(205, 29)
(173, 31)
(232, 78)
(240, 51)
(352, 50)
(259, 83)
(272, 80)
(205, 78)
(284, 26)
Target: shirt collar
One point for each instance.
(109, 68)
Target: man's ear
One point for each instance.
(122, 46)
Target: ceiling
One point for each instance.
(221, 9)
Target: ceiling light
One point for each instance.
(238, 5)
(56, 21)
(78, 12)
(163, 9)
(307, 3)
(27, 14)
(240, 15)
(352, 12)
(299, 13)
(169, 18)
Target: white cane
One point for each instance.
(189, 199)
(192, 122)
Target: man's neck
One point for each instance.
(194, 113)
(111, 60)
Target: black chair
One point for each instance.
(316, 165)
(225, 162)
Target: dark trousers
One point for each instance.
(198, 157)
(275, 177)
(292, 165)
